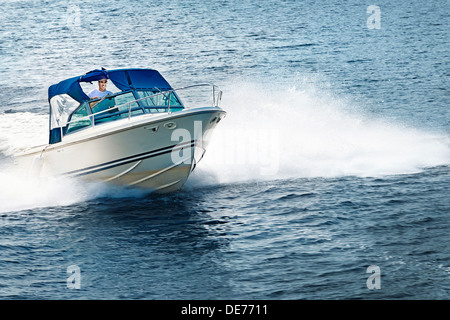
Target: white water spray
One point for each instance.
(268, 134)
(272, 133)
(19, 191)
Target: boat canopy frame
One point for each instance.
(67, 95)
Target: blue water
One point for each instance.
(334, 155)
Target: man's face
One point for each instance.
(102, 84)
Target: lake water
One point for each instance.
(334, 155)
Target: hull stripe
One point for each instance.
(129, 159)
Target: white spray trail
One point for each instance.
(268, 134)
(289, 133)
(18, 191)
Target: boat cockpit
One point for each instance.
(141, 91)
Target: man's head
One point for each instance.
(102, 84)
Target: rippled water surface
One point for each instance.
(334, 155)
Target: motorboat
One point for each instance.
(144, 135)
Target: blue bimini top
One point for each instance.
(67, 95)
(124, 79)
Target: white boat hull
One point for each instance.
(152, 151)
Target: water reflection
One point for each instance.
(158, 247)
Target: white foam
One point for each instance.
(289, 132)
(22, 130)
(19, 192)
(269, 133)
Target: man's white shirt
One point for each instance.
(98, 93)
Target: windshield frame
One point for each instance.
(112, 112)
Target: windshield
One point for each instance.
(121, 100)
(69, 116)
(79, 119)
(156, 101)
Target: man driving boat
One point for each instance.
(101, 91)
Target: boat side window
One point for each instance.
(79, 119)
(159, 101)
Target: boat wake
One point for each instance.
(20, 130)
(267, 135)
(21, 192)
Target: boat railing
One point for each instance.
(216, 97)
